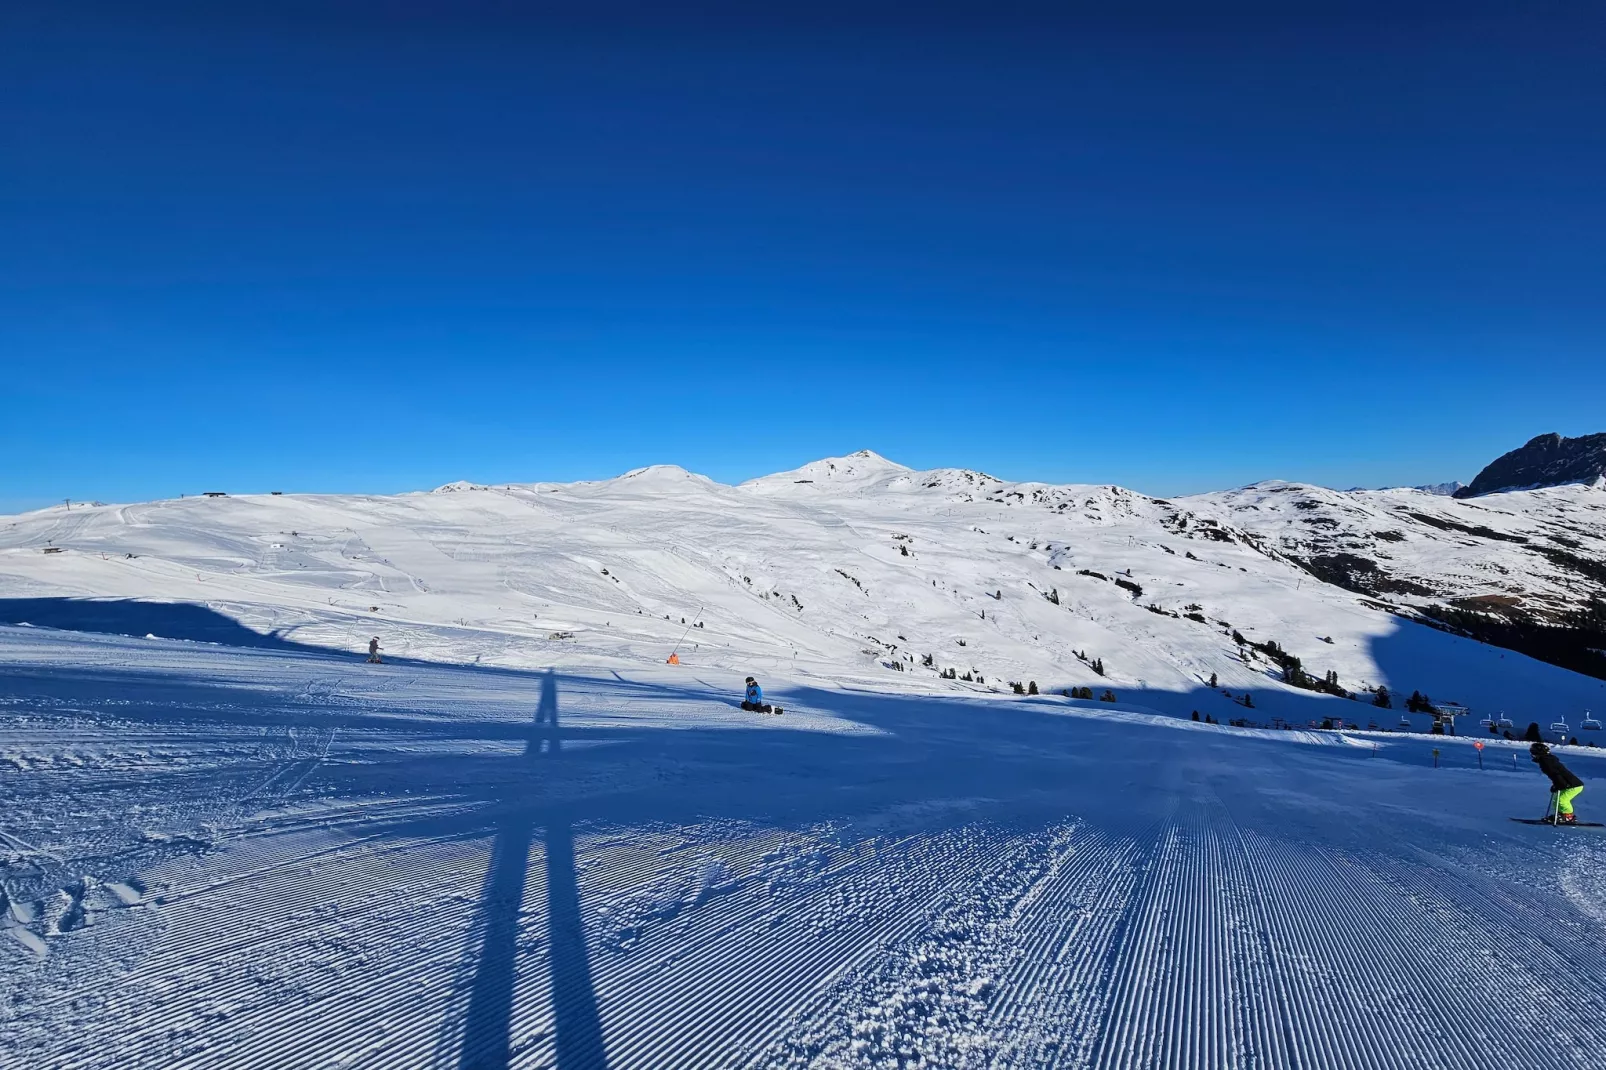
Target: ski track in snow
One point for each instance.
(227, 858)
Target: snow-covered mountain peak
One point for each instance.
(856, 471)
(661, 473)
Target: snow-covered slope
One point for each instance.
(227, 841)
(219, 858)
(1542, 549)
(844, 569)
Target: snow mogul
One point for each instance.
(1564, 783)
(754, 702)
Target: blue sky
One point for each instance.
(364, 247)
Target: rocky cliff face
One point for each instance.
(1546, 461)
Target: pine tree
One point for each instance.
(1031, 687)
(1382, 700)
(1212, 682)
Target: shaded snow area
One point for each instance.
(220, 855)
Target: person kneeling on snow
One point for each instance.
(1563, 781)
(755, 698)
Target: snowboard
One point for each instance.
(1563, 825)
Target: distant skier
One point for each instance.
(373, 651)
(1563, 781)
(754, 702)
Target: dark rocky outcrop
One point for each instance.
(1546, 461)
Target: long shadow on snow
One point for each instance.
(938, 744)
(138, 618)
(171, 697)
(1018, 762)
(487, 1030)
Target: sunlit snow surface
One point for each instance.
(836, 571)
(228, 841)
(219, 857)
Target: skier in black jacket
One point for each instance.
(1563, 781)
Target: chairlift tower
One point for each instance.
(1445, 713)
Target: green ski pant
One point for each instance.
(1564, 799)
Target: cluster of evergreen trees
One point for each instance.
(1096, 664)
(1294, 669)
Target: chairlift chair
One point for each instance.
(1505, 722)
(1590, 724)
(1405, 722)
(1561, 727)
(1487, 722)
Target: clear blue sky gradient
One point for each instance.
(377, 247)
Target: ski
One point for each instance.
(1564, 824)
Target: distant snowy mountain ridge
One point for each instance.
(861, 569)
(1445, 489)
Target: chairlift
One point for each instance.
(1488, 723)
(1405, 722)
(1561, 727)
(1505, 722)
(1590, 724)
